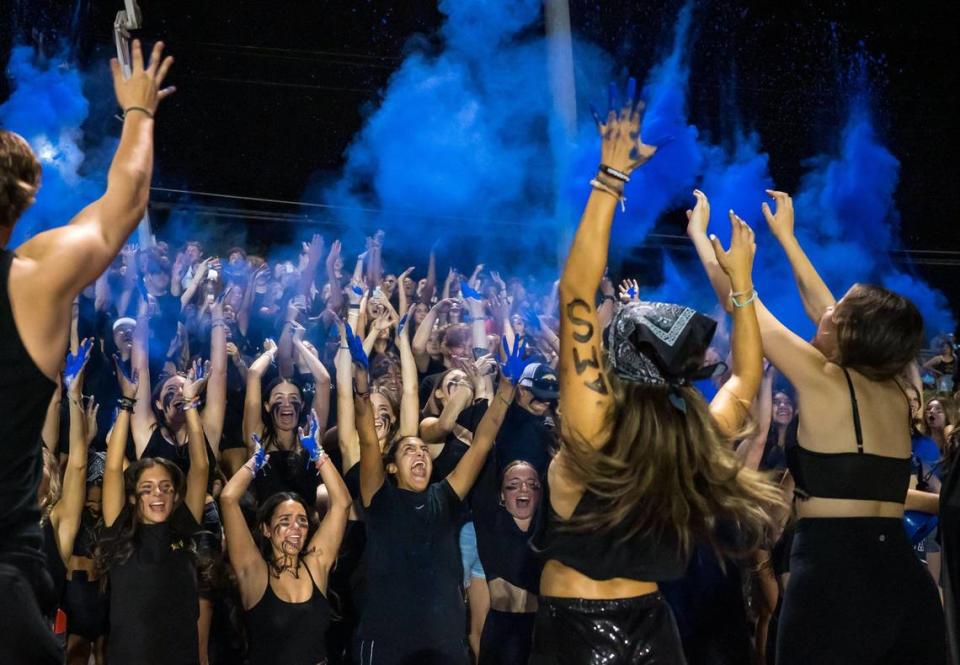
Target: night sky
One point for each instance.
(270, 93)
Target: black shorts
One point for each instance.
(87, 608)
(626, 631)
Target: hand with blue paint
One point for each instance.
(469, 292)
(515, 363)
(128, 382)
(530, 321)
(310, 442)
(622, 148)
(199, 374)
(355, 292)
(629, 291)
(259, 458)
(355, 345)
(74, 367)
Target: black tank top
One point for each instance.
(603, 556)
(24, 395)
(858, 476)
(288, 633)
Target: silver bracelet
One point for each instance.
(739, 305)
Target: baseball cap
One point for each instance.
(541, 380)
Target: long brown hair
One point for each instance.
(669, 472)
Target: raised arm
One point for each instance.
(252, 401)
(585, 396)
(372, 475)
(751, 450)
(422, 336)
(321, 379)
(336, 292)
(54, 266)
(430, 287)
(731, 406)
(216, 401)
(410, 397)
(245, 557)
(435, 430)
(461, 479)
(309, 273)
(113, 494)
(50, 434)
(142, 419)
(346, 417)
(796, 359)
(325, 543)
(814, 293)
(196, 443)
(66, 514)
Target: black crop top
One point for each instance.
(859, 476)
(641, 557)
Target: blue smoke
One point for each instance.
(48, 108)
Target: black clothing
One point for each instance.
(858, 594)
(642, 557)
(86, 606)
(284, 633)
(507, 638)
(628, 631)
(159, 446)
(859, 475)
(505, 553)
(443, 464)
(25, 393)
(525, 436)
(25, 585)
(287, 471)
(414, 602)
(154, 603)
(708, 605)
(950, 555)
(55, 565)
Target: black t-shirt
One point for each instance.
(502, 545)
(154, 605)
(159, 446)
(525, 436)
(413, 567)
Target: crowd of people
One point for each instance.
(208, 457)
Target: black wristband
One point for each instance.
(142, 110)
(615, 173)
(126, 404)
(357, 306)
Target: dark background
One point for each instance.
(270, 93)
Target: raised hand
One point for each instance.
(128, 382)
(259, 458)
(469, 292)
(622, 148)
(781, 220)
(90, 411)
(269, 345)
(355, 345)
(143, 89)
(495, 276)
(355, 292)
(530, 320)
(737, 262)
(515, 363)
(199, 373)
(75, 365)
(698, 219)
(309, 441)
(629, 291)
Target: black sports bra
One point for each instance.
(860, 476)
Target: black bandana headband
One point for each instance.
(660, 344)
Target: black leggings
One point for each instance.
(857, 595)
(627, 631)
